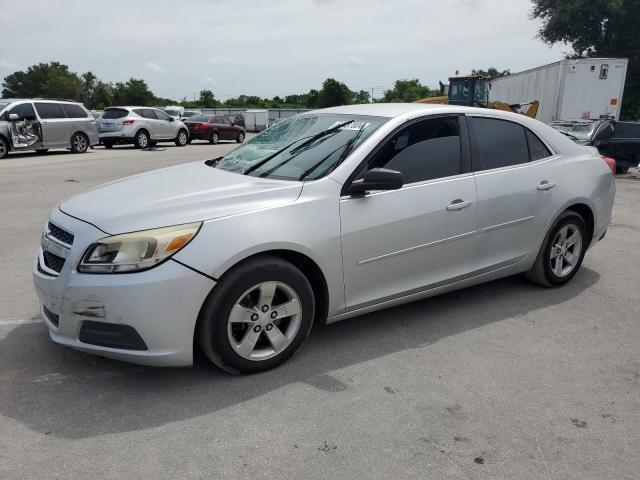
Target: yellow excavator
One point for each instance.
(473, 91)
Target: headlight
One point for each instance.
(132, 252)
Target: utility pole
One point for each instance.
(372, 89)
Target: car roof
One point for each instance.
(393, 110)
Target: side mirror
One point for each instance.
(14, 117)
(171, 119)
(376, 179)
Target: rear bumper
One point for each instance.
(602, 208)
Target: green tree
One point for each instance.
(491, 72)
(207, 99)
(361, 97)
(45, 80)
(133, 92)
(407, 91)
(101, 96)
(597, 28)
(334, 93)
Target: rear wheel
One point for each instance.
(257, 316)
(240, 138)
(4, 148)
(182, 138)
(79, 143)
(562, 252)
(142, 139)
(214, 138)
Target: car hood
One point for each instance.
(171, 196)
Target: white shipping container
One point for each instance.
(256, 120)
(586, 88)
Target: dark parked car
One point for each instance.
(213, 128)
(618, 140)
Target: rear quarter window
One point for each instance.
(74, 111)
(49, 110)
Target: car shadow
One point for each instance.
(58, 391)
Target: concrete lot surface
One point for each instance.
(505, 380)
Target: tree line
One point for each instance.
(56, 80)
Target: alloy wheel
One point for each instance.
(264, 320)
(182, 138)
(143, 141)
(565, 250)
(79, 143)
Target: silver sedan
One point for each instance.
(324, 216)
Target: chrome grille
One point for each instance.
(60, 234)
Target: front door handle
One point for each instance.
(546, 185)
(458, 204)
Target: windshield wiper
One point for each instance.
(343, 155)
(308, 140)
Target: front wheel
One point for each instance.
(214, 138)
(182, 138)
(257, 316)
(562, 251)
(4, 148)
(79, 143)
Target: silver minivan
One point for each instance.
(40, 124)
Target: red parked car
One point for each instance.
(213, 128)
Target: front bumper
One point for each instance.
(161, 304)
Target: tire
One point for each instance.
(42, 150)
(545, 270)
(214, 138)
(240, 138)
(4, 148)
(621, 170)
(142, 139)
(182, 138)
(79, 143)
(221, 339)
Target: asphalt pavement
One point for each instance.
(505, 380)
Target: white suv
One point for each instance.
(141, 126)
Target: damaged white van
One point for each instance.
(40, 124)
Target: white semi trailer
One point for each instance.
(586, 88)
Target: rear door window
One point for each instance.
(161, 115)
(74, 111)
(626, 130)
(113, 113)
(499, 143)
(49, 110)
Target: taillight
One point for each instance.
(611, 163)
(127, 122)
(199, 125)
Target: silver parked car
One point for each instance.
(40, 124)
(324, 216)
(140, 126)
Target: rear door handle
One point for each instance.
(458, 204)
(546, 185)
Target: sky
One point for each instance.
(271, 47)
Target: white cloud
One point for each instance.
(7, 65)
(154, 67)
(209, 81)
(354, 60)
(222, 60)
